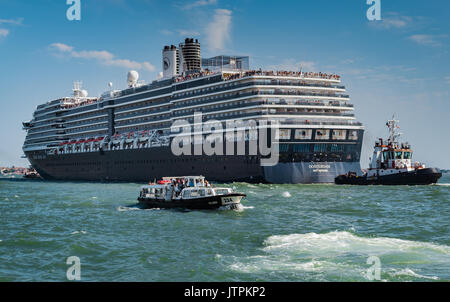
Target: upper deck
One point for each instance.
(317, 98)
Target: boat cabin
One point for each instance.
(154, 191)
(186, 187)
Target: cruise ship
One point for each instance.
(129, 135)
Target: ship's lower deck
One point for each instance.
(142, 165)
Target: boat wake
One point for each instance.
(235, 207)
(134, 208)
(341, 255)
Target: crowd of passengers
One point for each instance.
(180, 184)
(260, 72)
(284, 73)
(196, 75)
(75, 103)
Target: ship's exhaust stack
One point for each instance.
(170, 61)
(190, 55)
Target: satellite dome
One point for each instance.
(84, 93)
(133, 77)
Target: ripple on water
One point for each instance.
(273, 237)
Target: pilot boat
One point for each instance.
(189, 192)
(391, 164)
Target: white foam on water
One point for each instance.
(78, 232)
(443, 184)
(338, 242)
(237, 208)
(6, 199)
(94, 197)
(16, 196)
(340, 254)
(286, 194)
(410, 273)
(240, 208)
(247, 207)
(126, 209)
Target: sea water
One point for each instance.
(280, 233)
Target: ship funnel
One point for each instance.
(170, 62)
(190, 53)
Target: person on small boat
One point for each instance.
(192, 192)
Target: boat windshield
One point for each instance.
(407, 155)
(222, 191)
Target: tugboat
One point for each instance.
(391, 164)
(188, 192)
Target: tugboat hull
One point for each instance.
(204, 203)
(418, 177)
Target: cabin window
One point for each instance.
(339, 134)
(398, 155)
(186, 194)
(322, 134)
(407, 155)
(303, 133)
(353, 135)
(284, 134)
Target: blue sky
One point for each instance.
(400, 64)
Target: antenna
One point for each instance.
(77, 88)
(393, 126)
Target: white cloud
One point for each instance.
(62, 47)
(199, 3)
(393, 20)
(3, 32)
(218, 31)
(427, 40)
(103, 57)
(396, 21)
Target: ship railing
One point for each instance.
(300, 74)
(247, 84)
(253, 103)
(268, 93)
(133, 114)
(141, 120)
